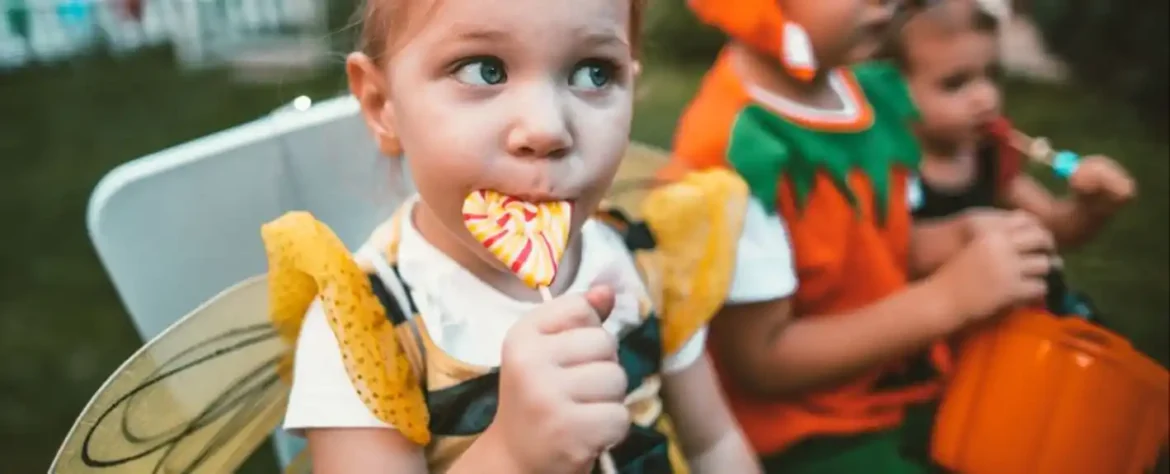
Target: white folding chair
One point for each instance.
(175, 228)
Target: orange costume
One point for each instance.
(838, 180)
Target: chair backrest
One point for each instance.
(175, 228)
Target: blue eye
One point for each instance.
(592, 75)
(482, 72)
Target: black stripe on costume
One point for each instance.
(639, 237)
(393, 309)
(640, 352)
(468, 407)
(644, 451)
(409, 299)
(635, 234)
(919, 369)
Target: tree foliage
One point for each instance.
(1120, 47)
(672, 33)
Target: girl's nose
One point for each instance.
(541, 128)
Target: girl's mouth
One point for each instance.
(541, 198)
(543, 194)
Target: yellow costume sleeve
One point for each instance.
(307, 260)
(696, 224)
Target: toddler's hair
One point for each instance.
(953, 15)
(386, 23)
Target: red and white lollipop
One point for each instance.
(530, 238)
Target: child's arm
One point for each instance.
(769, 350)
(1099, 188)
(561, 393)
(343, 435)
(709, 436)
(363, 450)
(373, 450)
(1069, 223)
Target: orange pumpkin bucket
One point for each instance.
(1037, 394)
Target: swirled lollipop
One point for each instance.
(530, 238)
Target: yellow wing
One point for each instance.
(307, 260)
(696, 223)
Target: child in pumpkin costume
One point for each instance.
(423, 354)
(820, 380)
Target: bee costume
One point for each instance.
(207, 392)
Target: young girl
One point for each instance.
(819, 377)
(397, 354)
(949, 53)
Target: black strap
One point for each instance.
(396, 316)
(393, 309)
(636, 234)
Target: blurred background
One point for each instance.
(86, 85)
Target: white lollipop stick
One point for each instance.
(1063, 163)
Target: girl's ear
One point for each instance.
(636, 69)
(368, 85)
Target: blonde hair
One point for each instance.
(386, 23)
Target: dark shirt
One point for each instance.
(981, 192)
(936, 203)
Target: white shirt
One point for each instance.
(471, 328)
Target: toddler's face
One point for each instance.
(531, 98)
(842, 31)
(953, 78)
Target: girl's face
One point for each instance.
(842, 31)
(953, 78)
(531, 98)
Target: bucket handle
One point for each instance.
(1092, 338)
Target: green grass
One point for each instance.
(63, 330)
(1125, 269)
(62, 327)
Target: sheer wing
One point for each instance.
(199, 398)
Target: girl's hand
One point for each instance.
(1101, 185)
(561, 387)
